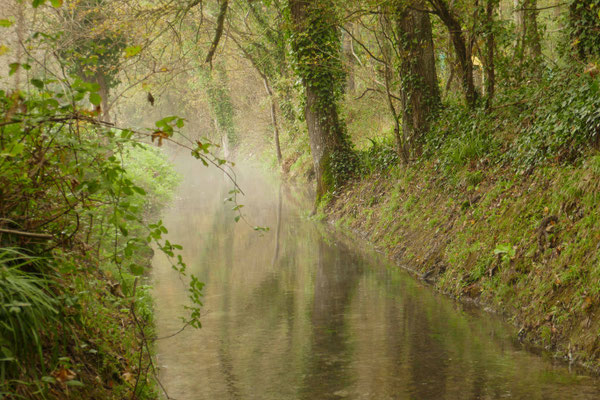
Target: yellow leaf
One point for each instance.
(3, 49)
(64, 375)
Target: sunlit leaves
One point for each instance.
(132, 51)
(95, 98)
(54, 3)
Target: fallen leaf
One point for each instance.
(128, 377)
(63, 375)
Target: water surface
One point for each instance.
(301, 313)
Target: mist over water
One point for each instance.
(302, 313)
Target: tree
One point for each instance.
(490, 49)
(219, 98)
(316, 46)
(420, 94)
(93, 47)
(528, 35)
(462, 50)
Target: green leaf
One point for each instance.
(17, 149)
(95, 99)
(136, 269)
(127, 190)
(37, 3)
(52, 103)
(74, 382)
(37, 83)
(14, 67)
(132, 51)
(5, 23)
(123, 230)
(56, 3)
(139, 190)
(48, 379)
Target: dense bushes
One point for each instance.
(557, 119)
(79, 211)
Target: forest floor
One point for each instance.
(525, 245)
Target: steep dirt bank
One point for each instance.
(527, 245)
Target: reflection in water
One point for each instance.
(327, 371)
(299, 313)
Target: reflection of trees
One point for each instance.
(217, 257)
(327, 370)
(278, 230)
(421, 339)
(428, 359)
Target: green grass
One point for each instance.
(28, 310)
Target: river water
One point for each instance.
(303, 313)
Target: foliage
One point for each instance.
(219, 98)
(379, 156)
(566, 120)
(584, 23)
(71, 195)
(95, 45)
(316, 57)
(460, 137)
(506, 251)
(341, 167)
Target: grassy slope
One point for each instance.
(502, 207)
(526, 245)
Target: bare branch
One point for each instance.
(218, 32)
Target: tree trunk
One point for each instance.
(325, 137)
(533, 34)
(518, 19)
(489, 68)
(20, 41)
(317, 46)
(273, 119)
(528, 35)
(463, 52)
(103, 92)
(349, 59)
(420, 95)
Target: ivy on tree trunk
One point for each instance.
(316, 45)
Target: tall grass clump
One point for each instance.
(28, 312)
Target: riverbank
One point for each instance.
(77, 311)
(525, 245)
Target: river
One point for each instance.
(301, 312)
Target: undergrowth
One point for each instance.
(502, 207)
